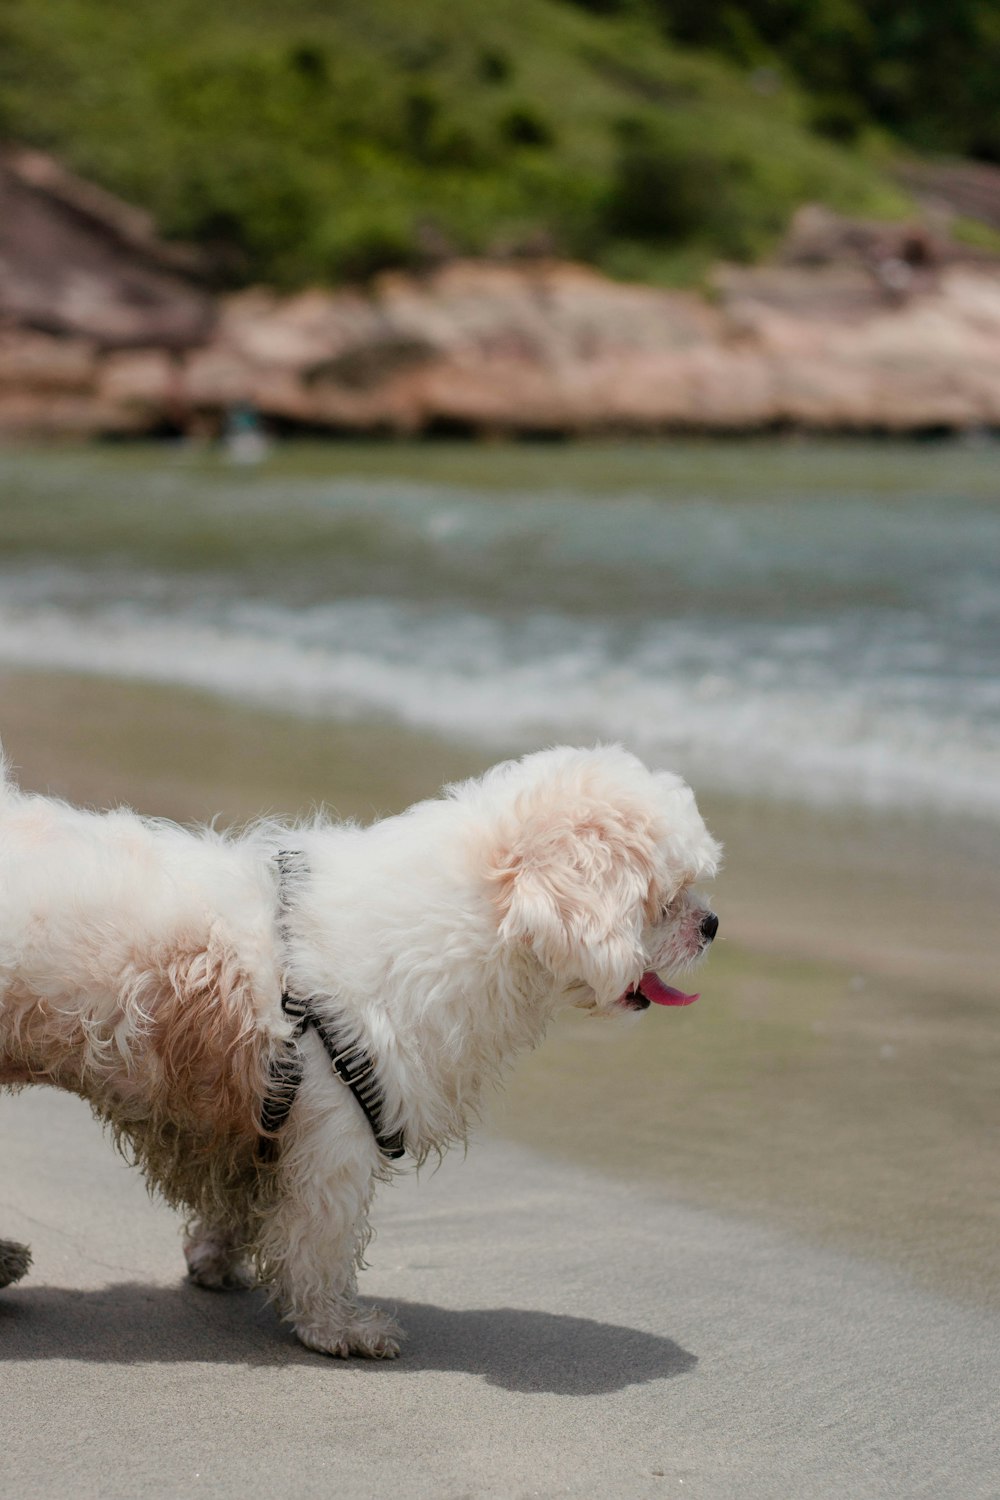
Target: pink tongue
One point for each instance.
(654, 989)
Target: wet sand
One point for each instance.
(836, 1082)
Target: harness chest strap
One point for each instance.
(353, 1065)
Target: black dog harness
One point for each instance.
(353, 1065)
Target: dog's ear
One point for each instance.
(573, 881)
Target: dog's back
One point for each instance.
(122, 942)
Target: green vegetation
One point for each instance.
(924, 69)
(325, 139)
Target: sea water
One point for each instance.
(813, 622)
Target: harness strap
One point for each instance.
(353, 1065)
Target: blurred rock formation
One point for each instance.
(854, 327)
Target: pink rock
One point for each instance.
(40, 362)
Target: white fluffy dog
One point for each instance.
(198, 988)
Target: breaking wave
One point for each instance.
(762, 708)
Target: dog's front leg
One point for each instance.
(316, 1231)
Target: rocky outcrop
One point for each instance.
(77, 262)
(855, 328)
(560, 349)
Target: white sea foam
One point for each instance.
(764, 708)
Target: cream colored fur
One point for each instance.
(142, 964)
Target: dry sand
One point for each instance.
(569, 1336)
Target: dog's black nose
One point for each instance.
(709, 926)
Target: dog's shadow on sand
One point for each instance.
(514, 1349)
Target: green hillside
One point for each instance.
(317, 141)
(925, 70)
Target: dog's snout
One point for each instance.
(709, 926)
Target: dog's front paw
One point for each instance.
(14, 1261)
(371, 1333)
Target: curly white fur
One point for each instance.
(142, 964)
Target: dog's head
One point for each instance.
(594, 870)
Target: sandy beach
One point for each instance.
(570, 1335)
(747, 1249)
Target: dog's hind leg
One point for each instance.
(216, 1259)
(14, 1261)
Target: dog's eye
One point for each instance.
(659, 911)
(672, 909)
